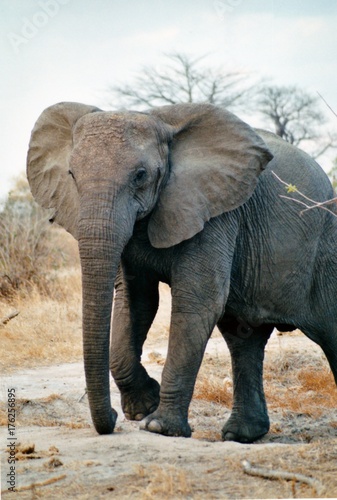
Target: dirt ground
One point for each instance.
(59, 455)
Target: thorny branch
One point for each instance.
(314, 204)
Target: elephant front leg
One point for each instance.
(136, 304)
(188, 338)
(249, 418)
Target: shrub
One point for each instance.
(25, 235)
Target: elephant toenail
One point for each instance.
(155, 426)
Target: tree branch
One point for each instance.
(315, 204)
(184, 80)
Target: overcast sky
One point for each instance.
(72, 50)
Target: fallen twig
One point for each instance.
(52, 480)
(252, 470)
(10, 316)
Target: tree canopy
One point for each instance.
(182, 79)
(289, 111)
(295, 115)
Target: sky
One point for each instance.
(73, 50)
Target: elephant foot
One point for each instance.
(141, 401)
(243, 432)
(166, 425)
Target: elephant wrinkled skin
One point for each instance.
(186, 195)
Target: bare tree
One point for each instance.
(290, 112)
(295, 115)
(182, 80)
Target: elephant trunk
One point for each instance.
(102, 238)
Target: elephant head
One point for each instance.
(102, 171)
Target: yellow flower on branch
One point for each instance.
(291, 188)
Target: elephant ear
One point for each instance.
(48, 162)
(215, 160)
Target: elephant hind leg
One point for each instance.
(326, 338)
(331, 354)
(249, 418)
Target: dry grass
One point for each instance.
(299, 382)
(293, 382)
(39, 278)
(48, 329)
(168, 482)
(308, 390)
(214, 383)
(213, 389)
(211, 435)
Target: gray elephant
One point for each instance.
(185, 195)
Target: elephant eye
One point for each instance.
(70, 173)
(140, 176)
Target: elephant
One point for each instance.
(186, 195)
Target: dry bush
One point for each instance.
(23, 250)
(27, 245)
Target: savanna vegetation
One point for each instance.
(40, 285)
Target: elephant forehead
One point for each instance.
(119, 127)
